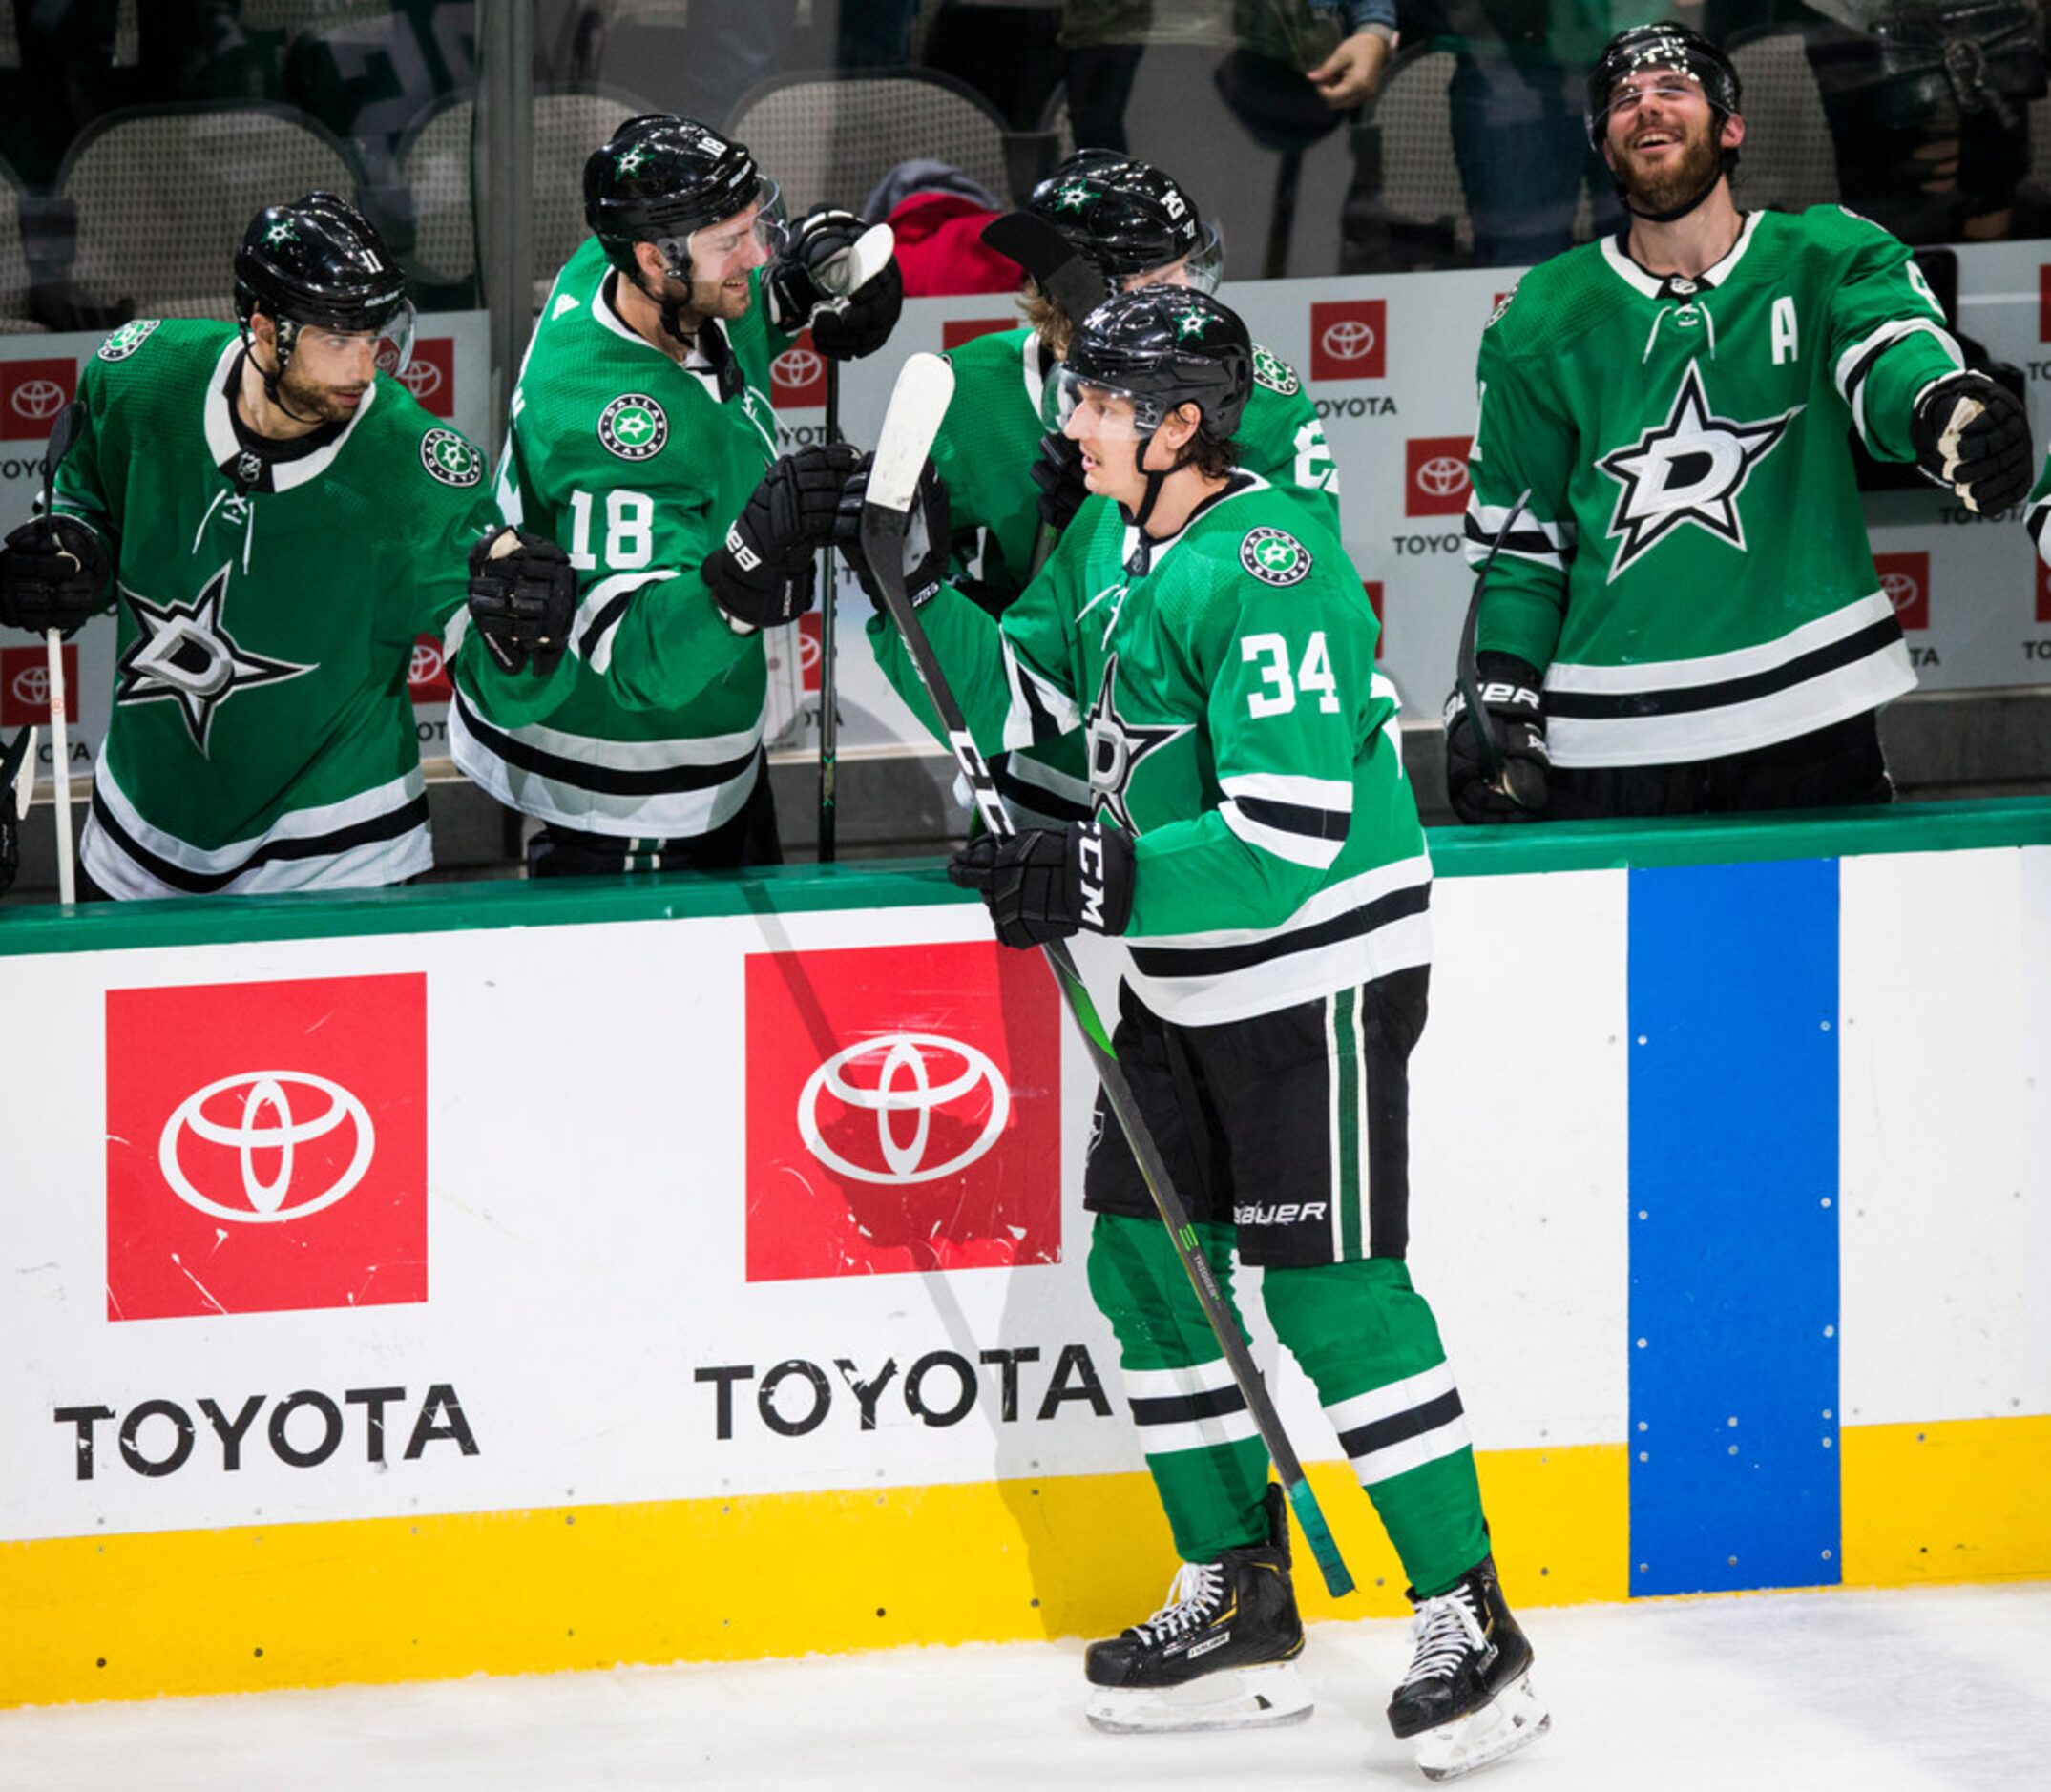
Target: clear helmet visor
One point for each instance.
(396, 341)
(1107, 412)
(1668, 86)
(757, 232)
(1200, 268)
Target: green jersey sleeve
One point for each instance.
(1887, 336)
(1282, 438)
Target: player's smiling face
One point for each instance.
(722, 256)
(1662, 137)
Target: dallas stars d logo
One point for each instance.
(1116, 747)
(182, 655)
(1688, 469)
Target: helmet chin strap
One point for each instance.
(1142, 552)
(286, 330)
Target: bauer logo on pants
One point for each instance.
(266, 1147)
(903, 1111)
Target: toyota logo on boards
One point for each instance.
(1905, 583)
(266, 1139)
(427, 674)
(25, 684)
(905, 1082)
(798, 376)
(429, 374)
(1435, 476)
(903, 1111)
(233, 1188)
(1350, 338)
(32, 393)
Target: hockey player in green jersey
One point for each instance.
(1256, 848)
(642, 445)
(1130, 225)
(279, 520)
(1685, 614)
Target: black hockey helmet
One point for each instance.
(1126, 218)
(660, 177)
(1161, 347)
(319, 262)
(1667, 46)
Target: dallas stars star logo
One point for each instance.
(630, 161)
(1117, 746)
(279, 233)
(182, 655)
(1072, 197)
(1688, 469)
(1191, 323)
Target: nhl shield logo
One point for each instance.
(126, 339)
(1274, 557)
(1273, 372)
(450, 459)
(634, 426)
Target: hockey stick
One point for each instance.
(1502, 775)
(1062, 276)
(63, 433)
(917, 405)
(842, 277)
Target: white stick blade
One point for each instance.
(24, 779)
(918, 404)
(855, 266)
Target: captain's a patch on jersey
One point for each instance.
(1274, 557)
(129, 338)
(450, 459)
(633, 426)
(1273, 372)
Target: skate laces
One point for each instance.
(1192, 1599)
(1446, 1628)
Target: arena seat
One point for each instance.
(14, 316)
(1790, 158)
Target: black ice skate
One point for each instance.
(1216, 1656)
(1467, 1698)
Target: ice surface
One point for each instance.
(1882, 1692)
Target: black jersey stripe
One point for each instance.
(1864, 365)
(1037, 798)
(606, 780)
(1364, 1440)
(1212, 1403)
(1687, 699)
(607, 619)
(1529, 541)
(1295, 818)
(1218, 961)
(393, 825)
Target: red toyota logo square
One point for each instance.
(1350, 338)
(798, 377)
(1905, 579)
(32, 393)
(427, 676)
(1373, 588)
(430, 375)
(266, 1146)
(2043, 304)
(956, 331)
(811, 652)
(2043, 589)
(903, 1111)
(1435, 475)
(25, 685)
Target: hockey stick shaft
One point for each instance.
(900, 454)
(63, 433)
(828, 646)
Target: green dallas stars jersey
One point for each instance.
(651, 725)
(1003, 405)
(1693, 573)
(261, 736)
(1235, 724)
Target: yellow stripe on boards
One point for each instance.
(1956, 1500)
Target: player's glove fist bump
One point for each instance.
(928, 537)
(761, 576)
(1972, 434)
(522, 599)
(52, 575)
(1510, 694)
(1049, 882)
(809, 284)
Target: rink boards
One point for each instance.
(504, 1278)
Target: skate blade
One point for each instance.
(1240, 1699)
(1515, 1718)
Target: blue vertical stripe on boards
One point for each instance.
(1734, 1007)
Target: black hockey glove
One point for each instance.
(929, 540)
(1049, 882)
(522, 599)
(760, 576)
(1059, 475)
(1510, 694)
(805, 287)
(1973, 435)
(52, 575)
